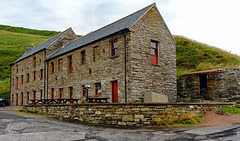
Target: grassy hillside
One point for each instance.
(193, 56)
(12, 44)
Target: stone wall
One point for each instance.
(222, 85)
(119, 114)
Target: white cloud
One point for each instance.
(215, 22)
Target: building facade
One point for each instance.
(214, 85)
(122, 61)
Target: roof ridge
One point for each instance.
(119, 19)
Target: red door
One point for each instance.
(52, 94)
(34, 96)
(22, 99)
(16, 99)
(115, 92)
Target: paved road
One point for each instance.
(16, 126)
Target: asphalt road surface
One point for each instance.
(15, 126)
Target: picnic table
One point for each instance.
(97, 99)
(57, 101)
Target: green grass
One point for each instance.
(12, 46)
(194, 56)
(27, 31)
(231, 110)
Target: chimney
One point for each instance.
(27, 48)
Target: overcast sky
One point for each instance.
(214, 22)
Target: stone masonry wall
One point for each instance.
(125, 114)
(26, 66)
(146, 77)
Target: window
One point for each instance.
(27, 97)
(34, 62)
(41, 95)
(17, 69)
(71, 92)
(114, 48)
(52, 92)
(154, 52)
(13, 81)
(34, 75)
(94, 53)
(34, 96)
(60, 93)
(83, 54)
(21, 99)
(98, 90)
(22, 79)
(52, 65)
(84, 91)
(70, 64)
(17, 82)
(59, 64)
(41, 74)
(28, 77)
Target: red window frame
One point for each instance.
(84, 91)
(71, 92)
(98, 89)
(154, 52)
(60, 93)
(52, 66)
(41, 74)
(41, 94)
(22, 79)
(83, 54)
(34, 62)
(114, 48)
(34, 75)
(70, 69)
(27, 97)
(16, 99)
(22, 99)
(34, 96)
(52, 93)
(17, 82)
(28, 77)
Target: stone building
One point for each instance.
(123, 61)
(214, 85)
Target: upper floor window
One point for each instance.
(17, 69)
(59, 64)
(17, 82)
(70, 64)
(114, 48)
(154, 52)
(83, 54)
(22, 79)
(52, 66)
(34, 62)
(28, 77)
(98, 90)
(34, 75)
(41, 74)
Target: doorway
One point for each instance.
(203, 84)
(115, 91)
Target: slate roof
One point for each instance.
(124, 23)
(41, 47)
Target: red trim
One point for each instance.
(115, 92)
(154, 52)
(34, 96)
(41, 95)
(16, 99)
(70, 63)
(71, 93)
(114, 49)
(17, 82)
(52, 92)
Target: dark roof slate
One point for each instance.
(41, 46)
(105, 31)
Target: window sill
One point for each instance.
(112, 57)
(156, 65)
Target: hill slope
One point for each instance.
(194, 56)
(191, 55)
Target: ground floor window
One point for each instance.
(98, 89)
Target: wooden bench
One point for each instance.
(97, 99)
